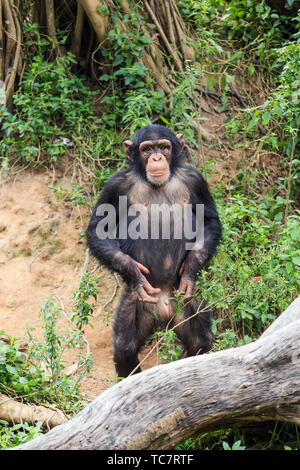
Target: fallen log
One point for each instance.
(15, 412)
(162, 406)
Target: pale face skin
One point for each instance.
(157, 156)
(158, 172)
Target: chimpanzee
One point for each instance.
(153, 266)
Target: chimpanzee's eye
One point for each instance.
(147, 149)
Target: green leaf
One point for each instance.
(229, 78)
(296, 260)
(105, 77)
(225, 445)
(252, 123)
(118, 60)
(266, 117)
(163, 119)
(251, 70)
(11, 370)
(211, 82)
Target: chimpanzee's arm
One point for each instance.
(197, 259)
(106, 249)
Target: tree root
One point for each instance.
(164, 38)
(99, 21)
(50, 14)
(78, 31)
(11, 48)
(168, 45)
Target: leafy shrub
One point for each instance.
(51, 103)
(257, 260)
(38, 375)
(12, 436)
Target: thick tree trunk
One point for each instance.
(162, 406)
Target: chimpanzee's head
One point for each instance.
(155, 152)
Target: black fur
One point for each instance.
(134, 320)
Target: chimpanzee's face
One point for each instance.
(155, 153)
(156, 157)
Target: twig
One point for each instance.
(117, 285)
(35, 257)
(208, 93)
(86, 263)
(289, 181)
(69, 319)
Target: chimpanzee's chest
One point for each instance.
(156, 231)
(172, 192)
(157, 212)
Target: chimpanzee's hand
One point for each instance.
(187, 287)
(146, 291)
(187, 281)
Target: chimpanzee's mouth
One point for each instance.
(157, 174)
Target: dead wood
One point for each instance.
(15, 412)
(162, 406)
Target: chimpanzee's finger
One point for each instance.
(181, 269)
(149, 289)
(144, 297)
(189, 290)
(183, 285)
(186, 287)
(141, 267)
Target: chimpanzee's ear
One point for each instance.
(128, 145)
(180, 137)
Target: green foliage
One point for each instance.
(247, 20)
(181, 113)
(82, 310)
(132, 100)
(235, 446)
(38, 375)
(12, 362)
(207, 441)
(257, 260)
(77, 196)
(270, 436)
(169, 348)
(12, 436)
(243, 20)
(281, 111)
(265, 40)
(50, 104)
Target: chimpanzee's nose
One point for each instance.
(157, 156)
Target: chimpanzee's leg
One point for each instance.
(195, 333)
(132, 325)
